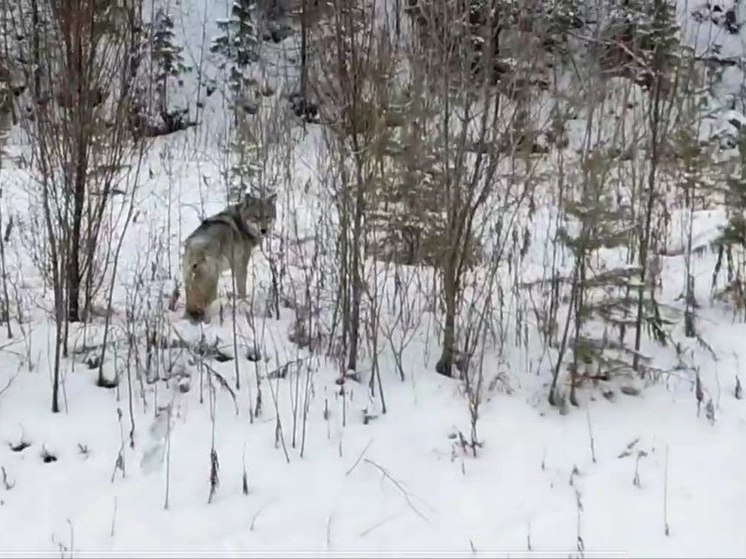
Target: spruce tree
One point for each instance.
(660, 48)
(731, 243)
(602, 299)
(166, 56)
(693, 166)
(642, 41)
(237, 43)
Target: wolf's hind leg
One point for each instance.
(194, 307)
(211, 287)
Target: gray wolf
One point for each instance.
(223, 242)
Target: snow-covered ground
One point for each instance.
(127, 470)
(396, 485)
(615, 474)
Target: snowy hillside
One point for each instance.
(244, 436)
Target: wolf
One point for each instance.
(223, 242)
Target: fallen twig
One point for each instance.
(359, 458)
(10, 381)
(399, 486)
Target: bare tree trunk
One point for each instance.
(74, 276)
(82, 103)
(450, 293)
(35, 51)
(655, 122)
(304, 55)
(59, 294)
(6, 297)
(397, 21)
(357, 277)
(344, 271)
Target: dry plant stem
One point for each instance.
(666, 528)
(553, 401)
(306, 407)
(234, 332)
(119, 464)
(113, 519)
(110, 297)
(253, 518)
(359, 458)
(214, 480)
(475, 399)
(590, 435)
(72, 537)
(579, 506)
(168, 166)
(278, 422)
(59, 303)
(294, 395)
(168, 460)
(20, 319)
(255, 407)
(6, 298)
(214, 375)
(131, 407)
(8, 384)
(343, 394)
(375, 301)
(244, 476)
(402, 305)
(8, 485)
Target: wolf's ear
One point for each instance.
(272, 198)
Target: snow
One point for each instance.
(336, 497)
(542, 483)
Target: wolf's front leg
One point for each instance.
(240, 270)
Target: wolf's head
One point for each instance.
(258, 213)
